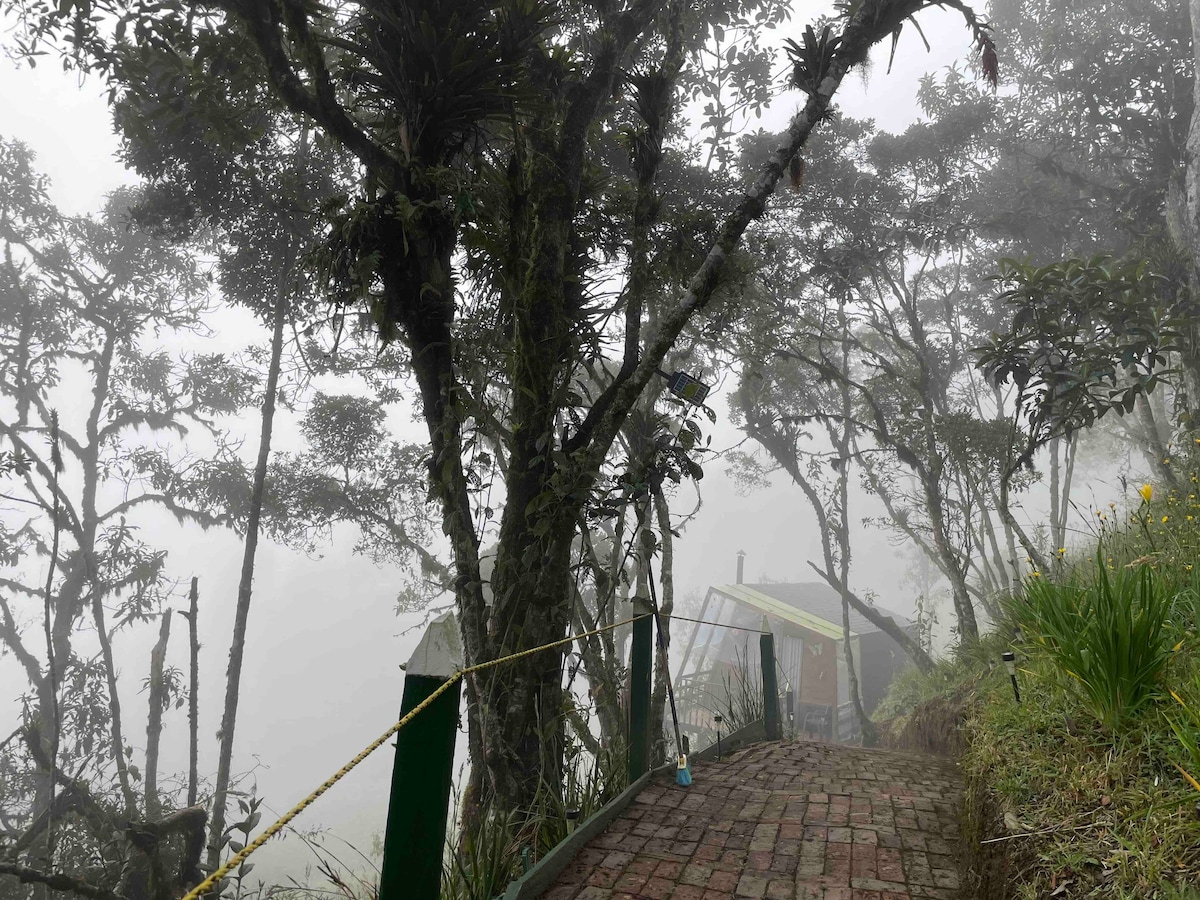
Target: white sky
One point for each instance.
(321, 675)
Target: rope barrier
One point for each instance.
(717, 624)
(242, 855)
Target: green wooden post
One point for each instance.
(766, 650)
(420, 799)
(641, 654)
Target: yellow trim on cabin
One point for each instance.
(772, 607)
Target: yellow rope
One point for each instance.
(240, 857)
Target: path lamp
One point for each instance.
(717, 720)
(1010, 663)
(572, 819)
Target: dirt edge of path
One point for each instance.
(938, 727)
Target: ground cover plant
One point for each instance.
(1088, 787)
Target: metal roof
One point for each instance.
(811, 605)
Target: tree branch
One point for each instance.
(262, 19)
(884, 623)
(871, 22)
(59, 882)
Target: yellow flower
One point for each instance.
(1062, 550)
(1164, 518)
(1037, 574)
(1147, 492)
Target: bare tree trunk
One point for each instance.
(154, 722)
(885, 623)
(1010, 521)
(237, 646)
(866, 726)
(1183, 222)
(114, 702)
(658, 698)
(193, 695)
(56, 466)
(1055, 493)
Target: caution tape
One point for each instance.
(242, 855)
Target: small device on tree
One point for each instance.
(686, 387)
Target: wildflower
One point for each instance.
(1062, 550)
(1147, 492)
(1164, 518)
(1037, 574)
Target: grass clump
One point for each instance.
(497, 849)
(1106, 635)
(1086, 812)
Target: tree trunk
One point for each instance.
(237, 646)
(117, 742)
(1055, 493)
(154, 721)
(1183, 222)
(842, 533)
(1011, 522)
(666, 606)
(968, 628)
(193, 694)
(884, 623)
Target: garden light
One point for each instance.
(1010, 663)
(572, 819)
(717, 720)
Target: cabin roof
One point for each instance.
(811, 605)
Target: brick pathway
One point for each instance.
(797, 821)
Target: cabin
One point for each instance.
(719, 669)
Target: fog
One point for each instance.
(325, 641)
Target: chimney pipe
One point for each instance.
(741, 558)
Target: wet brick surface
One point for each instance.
(794, 821)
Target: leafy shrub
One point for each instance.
(1109, 638)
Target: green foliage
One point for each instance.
(486, 857)
(961, 672)
(743, 692)
(1087, 337)
(1106, 817)
(1108, 637)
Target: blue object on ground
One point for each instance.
(683, 774)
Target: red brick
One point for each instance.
(658, 889)
(630, 883)
(723, 881)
